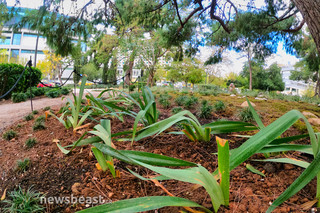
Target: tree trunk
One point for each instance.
(250, 72)
(105, 71)
(310, 10)
(130, 67)
(317, 88)
(113, 71)
(151, 76)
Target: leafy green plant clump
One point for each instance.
(246, 115)
(35, 112)
(8, 135)
(21, 201)
(19, 97)
(180, 100)
(30, 142)
(47, 108)
(41, 119)
(190, 102)
(23, 165)
(29, 117)
(39, 124)
(175, 110)
(219, 106)
(164, 100)
(205, 109)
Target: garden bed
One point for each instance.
(55, 174)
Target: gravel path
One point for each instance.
(12, 112)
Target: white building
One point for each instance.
(22, 45)
(293, 87)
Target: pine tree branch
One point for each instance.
(295, 29)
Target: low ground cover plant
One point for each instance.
(22, 201)
(23, 165)
(30, 142)
(219, 106)
(205, 109)
(29, 117)
(10, 134)
(246, 115)
(164, 100)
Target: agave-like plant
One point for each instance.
(75, 107)
(192, 127)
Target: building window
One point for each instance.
(16, 39)
(30, 35)
(27, 51)
(14, 53)
(5, 41)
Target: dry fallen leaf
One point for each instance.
(4, 195)
(55, 140)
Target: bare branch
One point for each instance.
(158, 6)
(225, 27)
(190, 16)
(177, 9)
(232, 5)
(213, 8)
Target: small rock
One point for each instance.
(269, 168)
(75, 188)
(245, 104)
(263, 99)
(232, 95)
(309, 114)
(314, 121)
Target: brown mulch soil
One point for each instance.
(55, 174)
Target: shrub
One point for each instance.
(65, 91)
(53, 93)
(175, 110)
(21, 201)
(203, 87)
(24, 165)
(39, 125)
(219, 106)
(246, 115)
(30, 142)
(19, 97)
(28, 94)
(38, 91)
(132, 87)
(8, 135)
(205, 109)
(28, 117)
(164, 100)
(180, 100)
(9, 73)
(35, 112)
(46, 108)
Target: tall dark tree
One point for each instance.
(269, 79)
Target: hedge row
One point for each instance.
(9, 74)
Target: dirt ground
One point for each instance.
(55, 174)
(11, 112)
